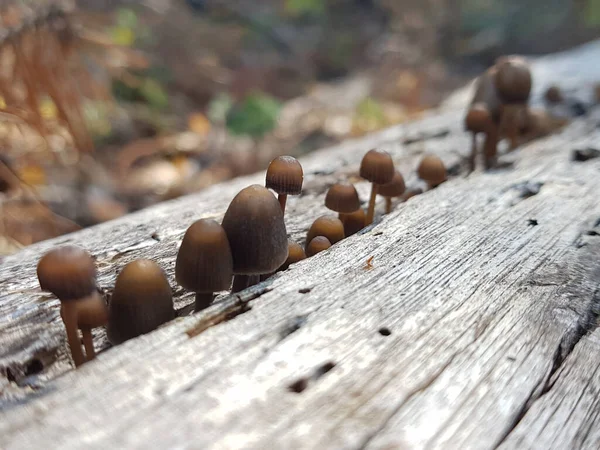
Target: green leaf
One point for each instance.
(256, 116)
(592, 13)
(305, 7)
(154, 94)
(126, 18)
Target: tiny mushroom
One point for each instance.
(513, 83)
(432, 170)
(553, 95)
(354, 222)
(478, 120)
(317, 245)
(256, 232)
(394, 188)
(141, 301)
(328, 226)
(378, 168)
(204, 263)
(69, 273)
(342, 198)
(295, 254)
(284, 176)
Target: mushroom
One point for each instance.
(284, 176)
(256, 231)
(378, 168)
(295, 254)
(328, 226)
(342, 198)
(317, 245)
(69, 273)
(394, 188)
(432, 170)
(204, 263)
(513, 83)
(354, 222)
(478, 120)
(141, 301)
(485, 93)
(553, 95)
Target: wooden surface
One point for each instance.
(475, 327)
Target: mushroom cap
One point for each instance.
(513, 79)
(295, 254)
(354, 222)
(342, 198)
(478, 118)
(328, 226)
(256, 231)
(68, 272)
(432, 170)
(553, 95)
(204, 262)
(285, 175)
(141, 301)
(377, 167)
(317, 245)
(394, 188)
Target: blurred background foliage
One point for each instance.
(176, 95)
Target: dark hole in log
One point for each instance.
(299, 385)
(304, 291)
(35, 366)
(384, 331)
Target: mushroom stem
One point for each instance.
(203, 300)
(371, 208)
(508, 124)
(388, 205)
(473, 157)
(490, 147)
(253, 279)
(282, 200)
(88, 343)
(240, 282)
(68, 314)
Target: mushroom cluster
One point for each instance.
(249, 245)
(499, 106)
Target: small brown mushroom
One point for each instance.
(478, 120)
(553, 95)
(432, 170)
(295, 254)
(513, 83)
(256, 232)
(354, 222)
(342, 198)
(141, 301)
(317, 245)
(328, 226)
(204, 263)
(69, 273)
(394, 188)
(378, 168)
(285, 176)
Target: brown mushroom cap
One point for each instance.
(553, 95)
(377, 167)
(513, 79)
(285, 175)
(295, 254)
(317, 245)
(256, 231)
(432, 170)
(354, 222)
(68, 272)
(328, 226)
(394, 188)
(342, 198)
(142, 301)
(204, 262)
(478, 118)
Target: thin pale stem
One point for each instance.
(388, 205)
(473, 158)
(240, 282)
(88, 343)
(282, 201)
(371, 210)
(203, 300)
(70, 320)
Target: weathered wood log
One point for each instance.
(464, 319)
